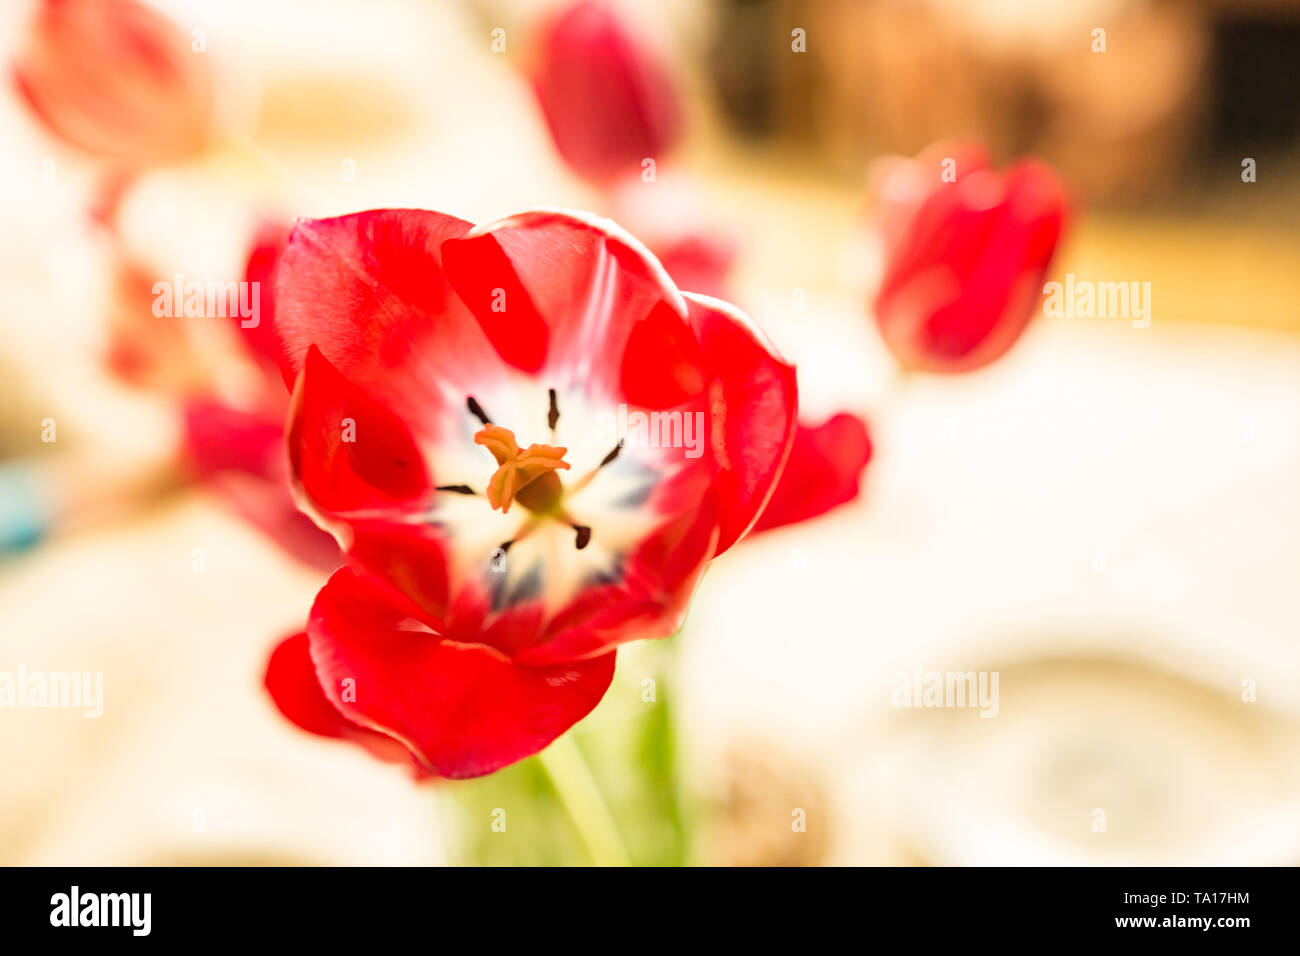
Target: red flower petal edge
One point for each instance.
(296, 691)
(462, 710)
(823, 472)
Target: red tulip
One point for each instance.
(964, 260)
(467, 420)
(116, 79)
(609, 101)
(822, 472)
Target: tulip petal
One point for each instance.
(369, 291)
(259, 274)
(408, 561)
(822, 472)
(348, 452)
(753, 401)
(563, 296)
(220, 437)
(295, 689)
(651, 600)
(462, 710)
(240, 454)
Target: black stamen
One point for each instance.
(553, 415)
(476, 410)
(459, 489)
(504, 546)
(584, 536)
(612, 455)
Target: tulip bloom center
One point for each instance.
(527, 476)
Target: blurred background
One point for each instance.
(1108, 517)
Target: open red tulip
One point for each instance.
(609, 101)
(529, 444)
(116, 79)
(965, 250)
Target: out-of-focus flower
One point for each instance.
(965, 248)
(698, 261)
(665, 215)
(259, 338)
(222, 372)
(239, 454)
(116, 79)
(609, 101)
(144, 350)
(823, 471)
(425, 353)
(237, 449)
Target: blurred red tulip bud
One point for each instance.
(609, 101)
(117, 79)
(965, 248)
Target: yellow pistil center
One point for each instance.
(527, 476)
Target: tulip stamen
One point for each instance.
(457, 489)
(528, 528)
(476, 410)
(609, 459)
(526, 474)
(585, 480)
(529, 475)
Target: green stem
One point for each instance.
(582, 799)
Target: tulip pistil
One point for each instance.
(527, 475)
